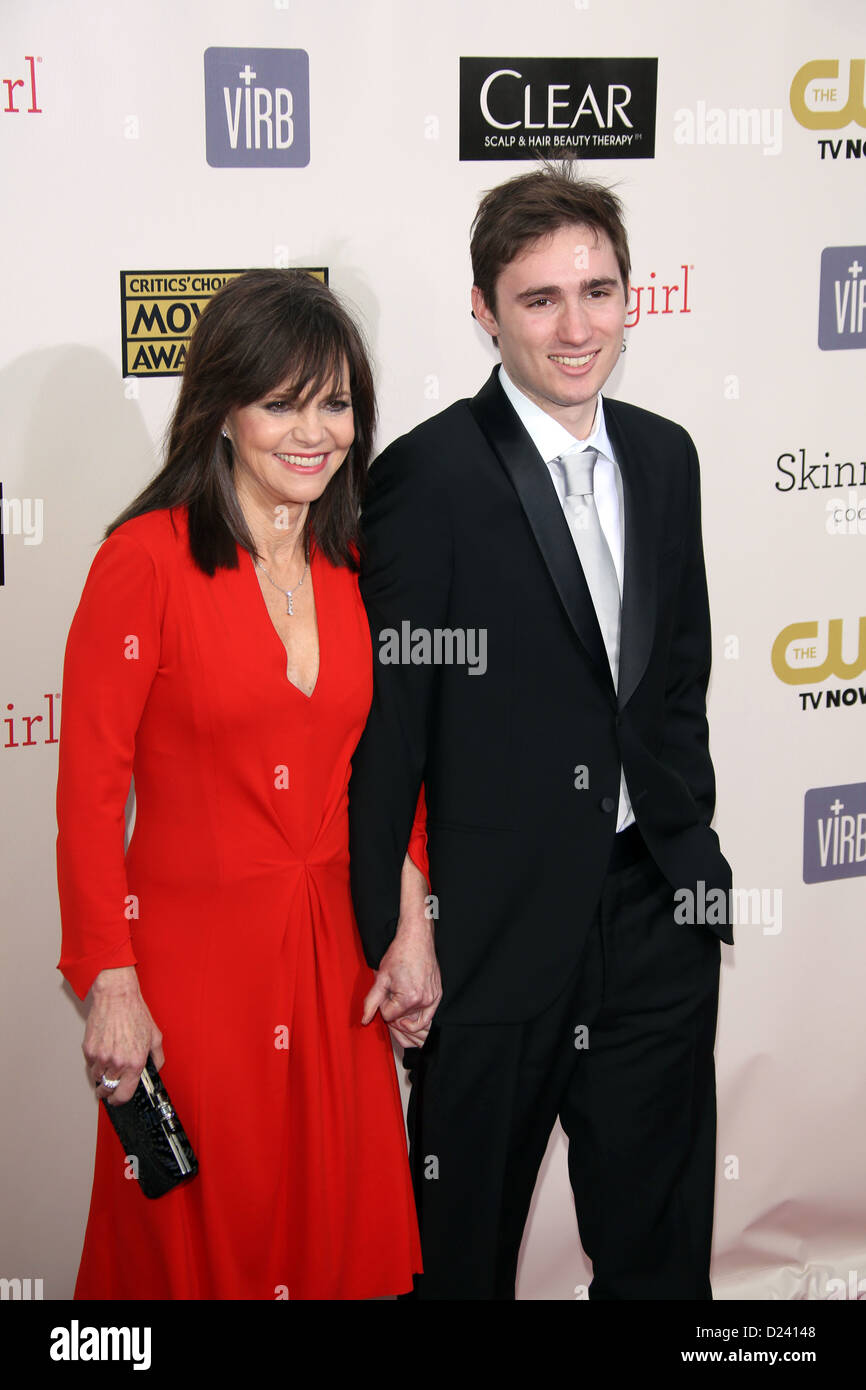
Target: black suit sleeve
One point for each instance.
(405, 582)
(686, 732)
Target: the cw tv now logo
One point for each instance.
(257, 107)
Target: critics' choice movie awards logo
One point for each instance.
(834, 833)
(811, 653)
(160, 308)
(842, 298)
(820, 101)
(514, 108)
(257, 107)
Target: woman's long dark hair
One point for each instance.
(263, 328)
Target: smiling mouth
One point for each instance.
(303, 460)
(574, 361)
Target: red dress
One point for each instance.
(233, 902)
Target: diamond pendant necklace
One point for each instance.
(289, 593)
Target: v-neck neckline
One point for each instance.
(276, 636)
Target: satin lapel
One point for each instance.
(534, 487)
(639, 589)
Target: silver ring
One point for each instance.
(109, 1085)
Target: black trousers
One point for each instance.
(624, 1058)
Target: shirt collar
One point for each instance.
(548, 435)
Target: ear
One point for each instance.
(482, 312)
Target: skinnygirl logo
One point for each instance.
(27, 84)
(19, 730)
(654, 298)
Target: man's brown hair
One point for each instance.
(529, 206)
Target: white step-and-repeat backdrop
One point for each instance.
(150, 148)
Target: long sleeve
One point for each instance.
(686, 733)
(417, 850)
(405, 579)
(112, 656)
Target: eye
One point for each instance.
(277, 407)
(600, 293)
(539, 302)
(338, 405)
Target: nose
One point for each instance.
(574, 323)
(307, 426)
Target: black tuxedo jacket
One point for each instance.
(463, 530)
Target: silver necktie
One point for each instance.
(593, 551)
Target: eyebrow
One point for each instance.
(599, 283)
(293, 393)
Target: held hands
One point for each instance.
(119, 1034)
(408, 987)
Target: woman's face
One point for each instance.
(286, 453)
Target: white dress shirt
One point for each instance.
(552, 439)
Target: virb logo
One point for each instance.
(834, 833)
(257, 107)
(842, 300)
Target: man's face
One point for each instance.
(559, 318)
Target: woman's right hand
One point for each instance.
(119, 1034)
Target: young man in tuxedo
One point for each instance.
(543, 972)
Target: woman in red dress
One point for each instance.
(220, 655)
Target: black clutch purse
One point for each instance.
(153, 1136)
